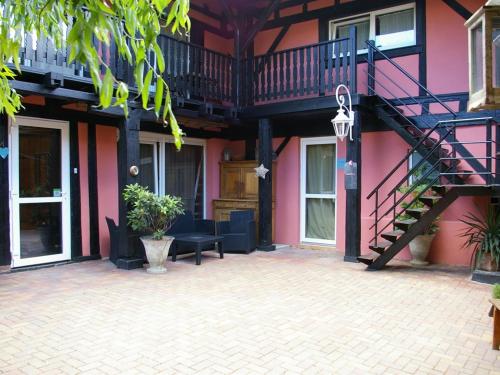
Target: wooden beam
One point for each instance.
(338, 10)
(128, 155)
(266, 186)
(4, 194)
(353, 195)
(278, 39)
(260, 23)
(93, 189)
(228, 12)
(282, 145)
(76, 220)
(459, 8)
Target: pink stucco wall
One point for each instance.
(107, 178)
(84, 186)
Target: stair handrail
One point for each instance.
(402, 161)
(371, 44)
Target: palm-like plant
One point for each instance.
(482, 233)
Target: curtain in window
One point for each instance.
(321, 173)
(395, 22)
(184, 176)
(146, 167)
(363, 30)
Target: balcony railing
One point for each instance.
(195, 72)
(302, 72)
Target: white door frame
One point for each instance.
(304, 142)
(16, 200)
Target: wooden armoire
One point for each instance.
(239, 190)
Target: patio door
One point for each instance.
(39, 180)
(318, 190)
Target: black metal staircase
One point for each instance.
(447, 170)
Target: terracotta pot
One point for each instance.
(157, 253)
(419, 249)
(487, 263)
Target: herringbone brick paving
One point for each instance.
(286, 312)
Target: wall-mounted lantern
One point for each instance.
(484, 57)
(343, 123)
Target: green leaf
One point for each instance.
(107, 89)
(145, 89)
(158, 96)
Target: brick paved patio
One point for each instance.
(291, 311)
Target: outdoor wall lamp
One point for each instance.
(343, 123)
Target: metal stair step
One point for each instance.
(429, 200)
(380, 246)
(439, 189)
(417, 213)
(405, 224)
(393, 235)
(366, 260)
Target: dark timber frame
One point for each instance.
(266, 186)
(4, 195)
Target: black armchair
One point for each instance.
(133, 241)
(239, 232)
(186, 225)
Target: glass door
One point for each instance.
(39, 177)
(318, 190)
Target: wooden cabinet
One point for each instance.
(239, 190)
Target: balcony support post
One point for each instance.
(128, 156)
(266, 186)
(353, 196)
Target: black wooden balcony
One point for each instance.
(203, 75)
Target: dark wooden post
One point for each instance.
(93, 191)
(353, 79)
(237, 68)
(353, 196)
(76, 220)
(4, 194)
(371, 69)
(128, 156)
(266, 186)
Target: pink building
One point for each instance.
(257, 80)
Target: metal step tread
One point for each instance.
(366, 260)
(393, 235)
(406, 222)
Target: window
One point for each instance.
(422, 171)
(165, 170)
(390, 28)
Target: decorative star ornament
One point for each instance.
(261, 171)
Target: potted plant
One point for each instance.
(482, 233)
(421, 244)
(153, 215)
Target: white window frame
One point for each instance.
(155, 160)
(304, 142)
(160, 140)
(333, 24)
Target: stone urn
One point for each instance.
(157, 252)
(419, 249)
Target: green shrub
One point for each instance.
(149, 212)
(496, 291)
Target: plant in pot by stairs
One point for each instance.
(482, 233)
(152, 214)
(421, 244)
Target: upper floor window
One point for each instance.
(390, 27)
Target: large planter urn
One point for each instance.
(419, 249)
(157, 252)
(487, 263)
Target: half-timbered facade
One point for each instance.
(256, 81)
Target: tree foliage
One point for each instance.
(133, 25)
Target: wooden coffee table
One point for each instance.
(198, 243)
